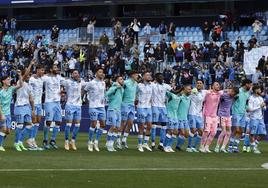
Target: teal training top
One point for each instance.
(6, 98)
(115, 94)
(130, 88)
(184, 107)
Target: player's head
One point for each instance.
(256, 90)
(233, 91)
(199, 85)
(53, 69)
(216, 86)
(100, 73)
(75, 75)
(147, 76)
(134, 75)
(119, 80)
(187, 89)
(40, 70)
(26, 78)
(6, 81)
(159, 78)
(247, 84)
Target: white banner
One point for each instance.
(252, 57)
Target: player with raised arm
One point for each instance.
(238, 116)
(6, 94)
(224, 113)
(96, 96)
(36, 83)
(144, 111)
(211, 103)
(23, 110)
(159, 109)
(114, 95)
(257, 128)
(73, 88)
(128, 107)
(52, 106)
(183, 122)
(196, 121)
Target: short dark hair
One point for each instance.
(256, 87)
(132, 72)
(199, 80)
(146, 71)
(235, 89)
(246, 81)
(158, 74)
(40, 66)
(74, 70)
(99, 68)
(3, 78)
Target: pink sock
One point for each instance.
(226, 138)
(210, 138)
(220, 138)
(204, 138)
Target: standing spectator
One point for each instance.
(252, 43)
(104, 41)
(90, 31)
(147, 31)
(13, 26)
(256, 76)
(217, 33)
(163, 30)
(261, 63)
(130, 32)
(179, 53)
(5, 26)
(55, 33)
(117, 29)
(224, 30)
(206, 31)
(7, 38)
(171, 32)
(170, 55)
(136, 28)
(257, 26)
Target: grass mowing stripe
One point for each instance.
(130, 169)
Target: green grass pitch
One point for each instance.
(129, 168)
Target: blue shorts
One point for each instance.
(127, 112)
(23, 114)
(172, 124)
(7, 122)
(184, 124)
(97, 114)
(144, 115)
(239, 120)
(257, 127)
(113, 118)
(159, 114)
(53, 111)
(195, 122)
(73, 112)
(38, 110)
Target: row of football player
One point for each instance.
(189, 113)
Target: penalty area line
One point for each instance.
(126, 169)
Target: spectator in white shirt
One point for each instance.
(147, 31)
(257, 26)
(90, 31)
(136, 28)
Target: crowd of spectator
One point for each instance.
(181, 63)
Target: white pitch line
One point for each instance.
(128, 169)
